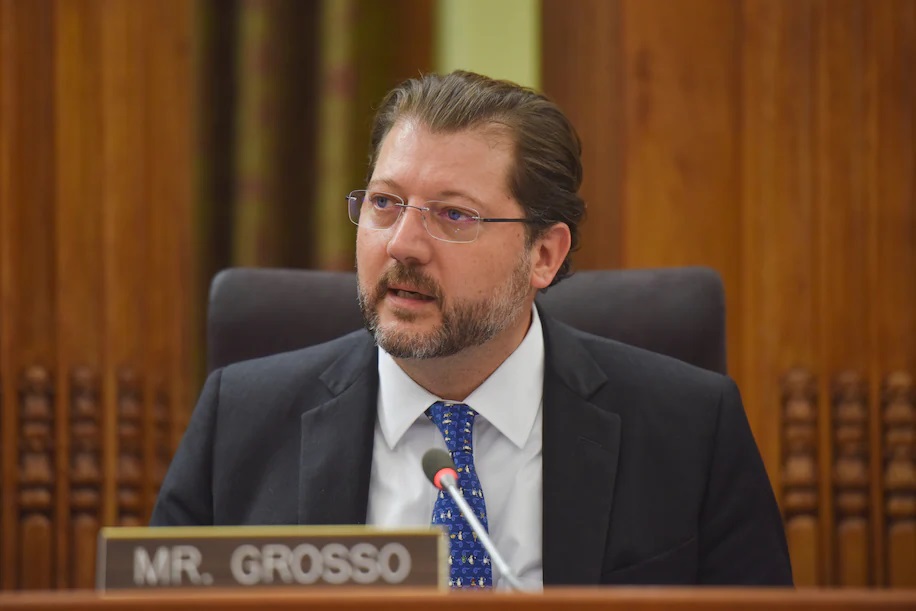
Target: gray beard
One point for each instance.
(465, 324)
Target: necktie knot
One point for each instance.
(456, 423)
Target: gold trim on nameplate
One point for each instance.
(206, 532)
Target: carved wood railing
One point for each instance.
(36, 478)
(85, 475)
(61, 484)
(43, 517)
(852, 544)
(851, 480)
(800, 500)
(898, 413)
(96, 273)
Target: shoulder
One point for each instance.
(640, 368)
(633, 369)
(656, 396)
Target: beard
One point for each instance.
(465, 323)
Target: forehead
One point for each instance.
(416, 158)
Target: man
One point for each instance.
(588, 460)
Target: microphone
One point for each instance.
(440, 470)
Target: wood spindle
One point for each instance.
(800, 475)
(36, 479)
(130, 444)
(850, 479)
(85, 475)
(899, 417)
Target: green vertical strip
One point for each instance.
(253, 151)
(260, 231)
(335, 130)
(500, 39)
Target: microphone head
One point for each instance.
(434, 462)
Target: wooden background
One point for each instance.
(774, 141)
(95, 193)
(770, 139)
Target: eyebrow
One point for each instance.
(390, 184)
(449, 193)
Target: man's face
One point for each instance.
(425, 298)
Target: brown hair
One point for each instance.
(547, 170)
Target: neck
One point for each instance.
(455, 377)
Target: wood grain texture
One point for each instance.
(170, 165)
(898, 415)
(27, 341)
(800, 474)
(582, 599)
(774, 141)
(850, 479)
(891, 179)
(576, 46)
(681, 159)
(85, 470)
(126, 215)
(8, 416)
(777, 211)
(80, 251)
(36, 479)
(95, 197)
(841, 238)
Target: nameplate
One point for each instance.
(270, 556)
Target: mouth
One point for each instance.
(406, 293)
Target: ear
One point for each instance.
(548, 253)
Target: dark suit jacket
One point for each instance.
(651, 474)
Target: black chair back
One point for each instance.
(675, 311)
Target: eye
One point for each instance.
(457, 215)
(380, 200)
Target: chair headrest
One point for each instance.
(675, 311)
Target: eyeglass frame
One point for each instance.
(404, 205)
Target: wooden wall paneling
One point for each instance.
(95, 195)
(892, 202)
(842, 234)
(682, 142)
(169, 145)
(80, 256)
(778, 327)
(7, 395)
(126, 234)
(582, 65)
(28, 271)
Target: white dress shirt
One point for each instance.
(507, 454)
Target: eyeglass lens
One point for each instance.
(377, 210)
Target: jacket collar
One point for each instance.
(581, 443)
(336, 452)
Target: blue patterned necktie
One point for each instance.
(469, 562)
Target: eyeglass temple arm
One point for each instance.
(482, 220)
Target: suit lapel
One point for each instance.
(336, 453)
(581, 443)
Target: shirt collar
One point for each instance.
(509, 399)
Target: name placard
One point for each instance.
(265, 556)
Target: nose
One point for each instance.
(410, 243)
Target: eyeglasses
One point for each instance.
(443, 221)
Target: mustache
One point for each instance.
(399, 273)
